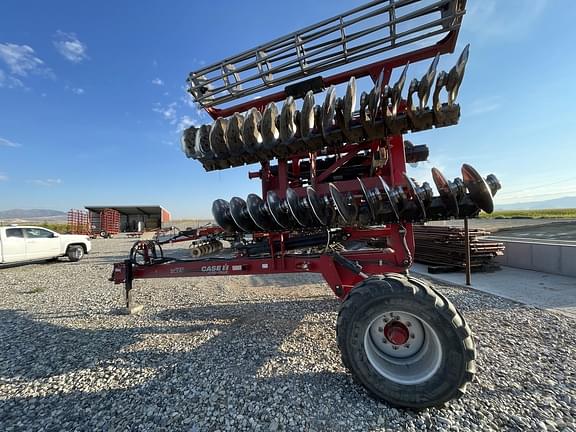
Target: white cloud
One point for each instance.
(78, 91)
(70, 46)
(493, 18)
(484, 105)
(46, 182)
(21, 59)
(8, 81)
(168, 112)
(158, 81)
(3, 177)
(7, 143)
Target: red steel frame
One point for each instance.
(396, 258)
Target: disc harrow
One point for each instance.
(336, 195)
(250, 137)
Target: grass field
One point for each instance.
(569, 213)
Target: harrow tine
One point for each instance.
(412, 88)
(288, 127)
(425, 84)
(456, 75)
(234, 135)
(251, 136)
(375, 98)
(396, 92)
(218, 138)
(268, 128)
(440, 83)
(307, 116)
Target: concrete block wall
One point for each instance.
(554, 258)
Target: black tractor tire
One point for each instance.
(75, 253)
(431, 363)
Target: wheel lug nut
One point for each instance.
(384, 341)
(412, 336)
(407, 346)
(394, 347)
(380, 329)
(408, 323)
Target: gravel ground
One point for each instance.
(245, 353)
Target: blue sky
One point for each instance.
(92, 98)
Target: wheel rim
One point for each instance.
(402, 347)
(77, 253)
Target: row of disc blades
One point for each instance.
(368, 205)
(259, 136)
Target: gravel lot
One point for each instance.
(245, 353)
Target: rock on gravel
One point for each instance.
(245, 353)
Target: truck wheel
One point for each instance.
(405, 342)
(75, 253)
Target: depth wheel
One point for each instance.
(405, 342)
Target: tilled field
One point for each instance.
(245, 353)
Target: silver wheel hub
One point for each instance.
(402, 347)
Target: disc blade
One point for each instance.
(307, 116)
(345, 211)
(349, 103)
(268, 128)
(447, 193)
(328, 110)
(415, 195)
(318, 206)
(369, 197)
(202, 145)
(259, 213)
(297, 211)
(239, 213)
(234, 135)
(222, 216)
(277, 210)
(251, 132)
(392, 199)
(218, 139)
(187, 142)
(288, 120)
(478, 189)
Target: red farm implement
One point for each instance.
(336, 199)
(104, 224)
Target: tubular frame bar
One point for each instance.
(303, 54)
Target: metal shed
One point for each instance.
(136, 218)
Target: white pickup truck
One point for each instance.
(29, 243)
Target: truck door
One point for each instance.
(41, 243)
(14, 245)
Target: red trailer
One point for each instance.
(337, 199)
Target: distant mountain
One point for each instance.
(557, 203)
(31, 214)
